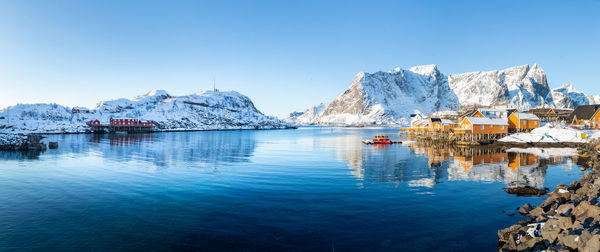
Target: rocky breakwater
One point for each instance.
(568, 220)
(15, 142)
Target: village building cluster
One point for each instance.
(495, 123)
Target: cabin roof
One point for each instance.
(526, 116)
(487, 121)
(541, 110)
(469, 113)
(584, 112)
(447, 121)
(436, 120)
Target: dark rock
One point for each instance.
(538, 211)
(565, 209)
(564, 222)
(533, 244)
(592, 245)
(524, 210)
(526, 191)
(550, 230)
(585, 210)
(53, 145)
(571, 241)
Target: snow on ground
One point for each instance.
(547, 134)
(10, 139)
(546, 153)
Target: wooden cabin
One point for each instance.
(563, 114)
(585, 116)
(545, 114)
(448, 124)
(519, 122)
(484, 125)
(434, 124)
(471, 113)
(416, 121)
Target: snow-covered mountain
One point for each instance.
(388, 96)
(307, 116)
(206, 110)
(384, 97)
(566, 96)
(520, 86)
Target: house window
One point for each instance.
(534, 122)
(482, 127)
(501, 127)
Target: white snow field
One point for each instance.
(547, 134)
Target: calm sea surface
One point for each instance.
(311, 189)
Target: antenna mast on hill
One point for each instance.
(215, 85)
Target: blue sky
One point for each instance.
(285, 55)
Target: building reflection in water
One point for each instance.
(434, 164)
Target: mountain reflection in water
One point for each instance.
(162, 149)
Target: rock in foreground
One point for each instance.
(568, 220)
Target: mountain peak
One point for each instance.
(424, 69)
(567, 87)
(156, 92)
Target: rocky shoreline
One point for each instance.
(13, 142)
(568, 220)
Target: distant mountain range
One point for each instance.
(205, 110)
(390, 97)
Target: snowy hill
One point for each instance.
(384, 97)
(206, 110)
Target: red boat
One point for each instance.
(381, 139)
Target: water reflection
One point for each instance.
(437, 164)
(20, 155)
(162, 149)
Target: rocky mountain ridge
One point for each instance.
(390, 97)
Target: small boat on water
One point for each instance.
(380, 139)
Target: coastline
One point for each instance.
(569, 219)
(18, 141)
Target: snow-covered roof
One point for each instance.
(526, 116)
(446, 122)
(487, 121)
(493, 110)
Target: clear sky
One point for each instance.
(284, 55)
